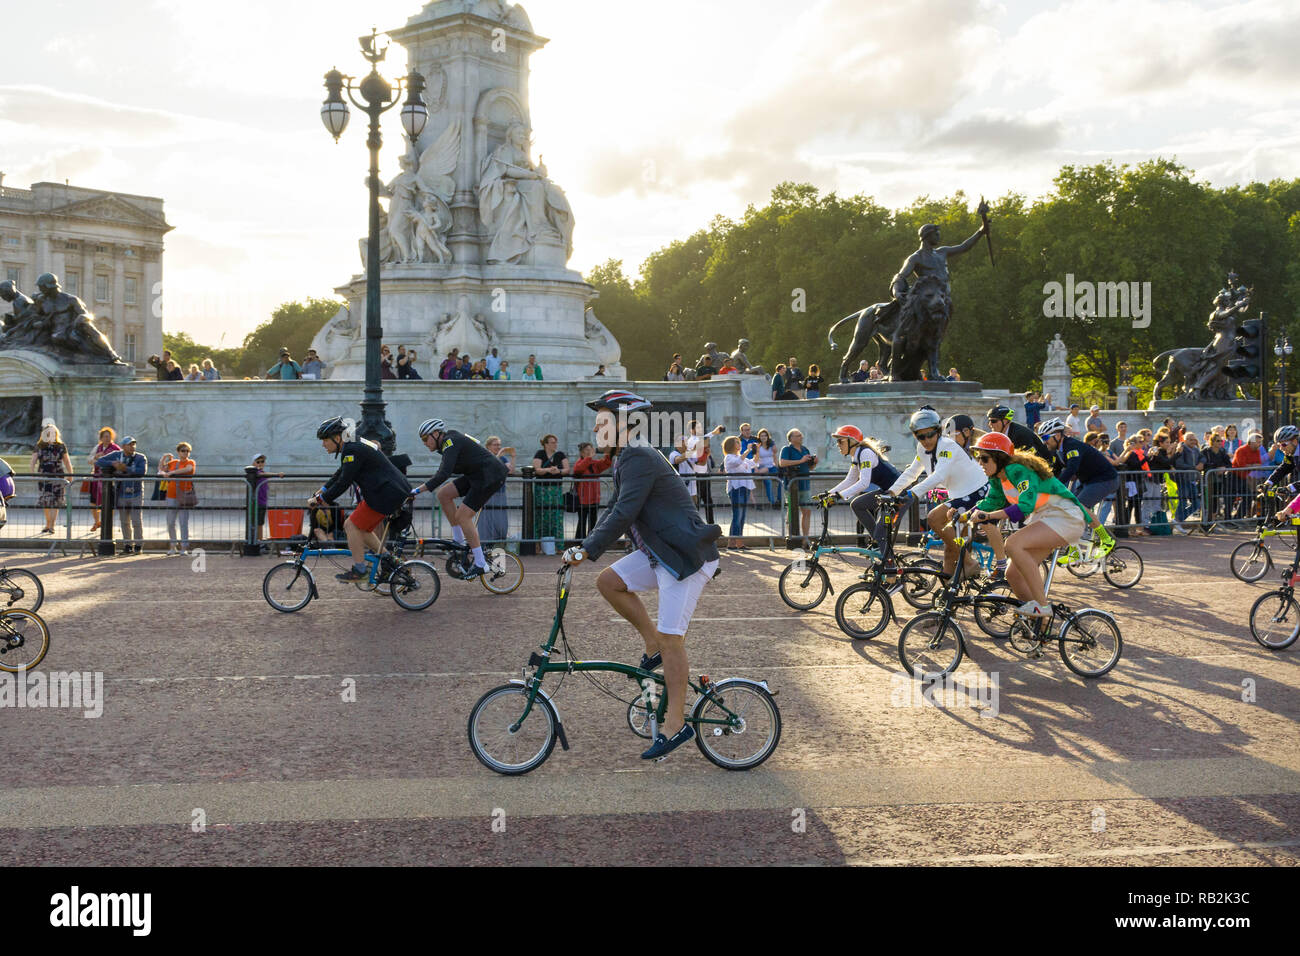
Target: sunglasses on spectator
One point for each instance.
(928, 433)
(983, 458)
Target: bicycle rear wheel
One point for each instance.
(505, 571)
(21, 588)
(1091, 643)
(415, 585)
(749, 742)
(995, 617)
(931, 645)
(1251, 560)
(863, 610)
(803, 585)
(1123, 567)
(1275, 620)
(503, 749)
(287, 587)
(920, 586)
(24, 639)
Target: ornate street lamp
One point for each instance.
(377, 97)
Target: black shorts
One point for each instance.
(968, 502)
(474, 490)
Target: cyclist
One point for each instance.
(943, 463)
(1001, 420)
(1074, 460)
(382, 487)
(1021, 485)
(869, 473)
(962, 430)
(1287, 438)
(675, 554)
(478, 476)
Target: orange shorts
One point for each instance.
(365, 517)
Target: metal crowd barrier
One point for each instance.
(540, 515)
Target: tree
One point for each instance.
(293, 325)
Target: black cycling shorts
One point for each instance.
(968, 502)
(474, 492)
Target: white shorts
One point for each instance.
(677, 599)
(1063, 517)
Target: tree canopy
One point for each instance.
(782, 274)
(293, 325)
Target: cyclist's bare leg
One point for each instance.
(1028, 547)
(359, 542)
(938, 521)
(673, 649)
(996, 541)
(467, 518)
(629, 607)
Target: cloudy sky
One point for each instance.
(653, 117)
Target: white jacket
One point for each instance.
(948, 467)
(862, 462)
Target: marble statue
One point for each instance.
(1056, 355)
(1202, 370)
(58, 323)
(602, 342)
(519, 206)
(910, 327)
(430, 227)
(402, 198)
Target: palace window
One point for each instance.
(101, 289)
(129, 294)
(72, 284)
(129, 345)
(14, 275)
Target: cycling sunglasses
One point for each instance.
(983, 458)
(928, 433)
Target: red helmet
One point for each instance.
(995, 441)
(851, 432)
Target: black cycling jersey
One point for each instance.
(1023, 438)
(1080, 461)
(1285, 470)
(463, 455)
(382, 486)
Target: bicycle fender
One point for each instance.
(746, 680)
(559, 721)
(1096, 610)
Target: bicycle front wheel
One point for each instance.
(748, 739)
(1123, 567)
(863, 610)
(1251, 560)
(505, 571)
(415, 585)
(803, 585)
(1091, 643)
(931, 645)
(502, 746)
(24, 640)
(21, 588)
(1275, 620)
(287, 587)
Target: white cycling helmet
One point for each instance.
(923, 419)
(1286, 433)
(431, 426)
(1053, 426)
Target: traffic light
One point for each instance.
(1247, 355)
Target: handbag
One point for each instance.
(571, 502)
(187, 497)
(85, 487)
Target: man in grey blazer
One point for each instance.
(675, 554)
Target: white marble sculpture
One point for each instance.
(463, 330)
(601, 341)
(519, 206)
(419, 202)
(1056, 355)
(1057, 380)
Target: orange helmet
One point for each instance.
(851, 432)
(996, 441)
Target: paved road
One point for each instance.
(219, 710)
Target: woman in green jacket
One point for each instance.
(1021, 486)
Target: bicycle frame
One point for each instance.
(824, 546)
(983, 552)
(543, 665)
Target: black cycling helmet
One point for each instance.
(999, 413)
(619, 399)
(957, 423)
(329, 427)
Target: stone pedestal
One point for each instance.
(1124, 397)
(936, 390)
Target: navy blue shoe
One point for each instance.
(651, 663)
(663, 746)
(352, 574)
